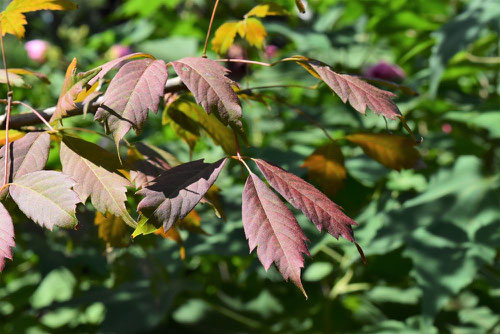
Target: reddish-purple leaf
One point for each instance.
(46, 198)
(207, 80)
(137, 88)
(26, 155)
(6, 236)
(312, 202)
(118, 62)
(349, 88)
(273, 229)
(173, 194)
(154, 162)
(95, 171)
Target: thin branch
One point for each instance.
(36, 113)
(9, 107)
(210, 29)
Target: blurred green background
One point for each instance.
(431, 236)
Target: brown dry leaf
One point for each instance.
(326, 168)
(393, 151)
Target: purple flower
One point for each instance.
(385, 71)
(117, 51)
(37, 50)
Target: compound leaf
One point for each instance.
(137, 88)
(271, 227)
(326, 168)
(393, 151)
(173, 194)
(46, 197)
(6, 236)
(206, 79)
(312, 202)
(95, 171)
(253, 31)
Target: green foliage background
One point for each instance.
(431, 236)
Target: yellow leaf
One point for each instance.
(393, 151)
(267, 9)
(173, 234)
(15, 80)
(24, 71)
(13, 136)
(253, 31)
(86, 92)
(13, 21)
(224, 37)
(326, 168)
(219, 133)
(112, 230)
(144, 227)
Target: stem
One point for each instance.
(249, 89)
(244, 61)
(238, 155)
(403, 121)
(9, 107)
(210, 29)
(36, 113)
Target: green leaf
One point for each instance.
(57, 286)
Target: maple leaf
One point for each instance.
(46, 197)
(137, 88)
(206, 79)
(326, 168)
(95, 171)
(112, 230)
(273, 229)
(313, 203)
(349, 88)
(393, 151)
(27, 154)
(173, 194)
(6, 236)
(253, 31)
(224, 37)
(13, 21)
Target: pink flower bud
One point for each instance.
(385, 71)
(117, 51)
(447, 128)
(37, 50)
(271, 51)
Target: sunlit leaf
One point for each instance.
(224, 37)
(6, 236)
(27, 154)
(312, 202)
(393, 151)
(267, 9)
(253, 31)
(112, 230)
(352, 89)
(13, 136)
(137, 88)
(13, 20)
(206, 79)
(22, 71)
(173, 194)
(326, 168)
(15, 80)
(95, 171)
(46, 197)
(273, 230)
